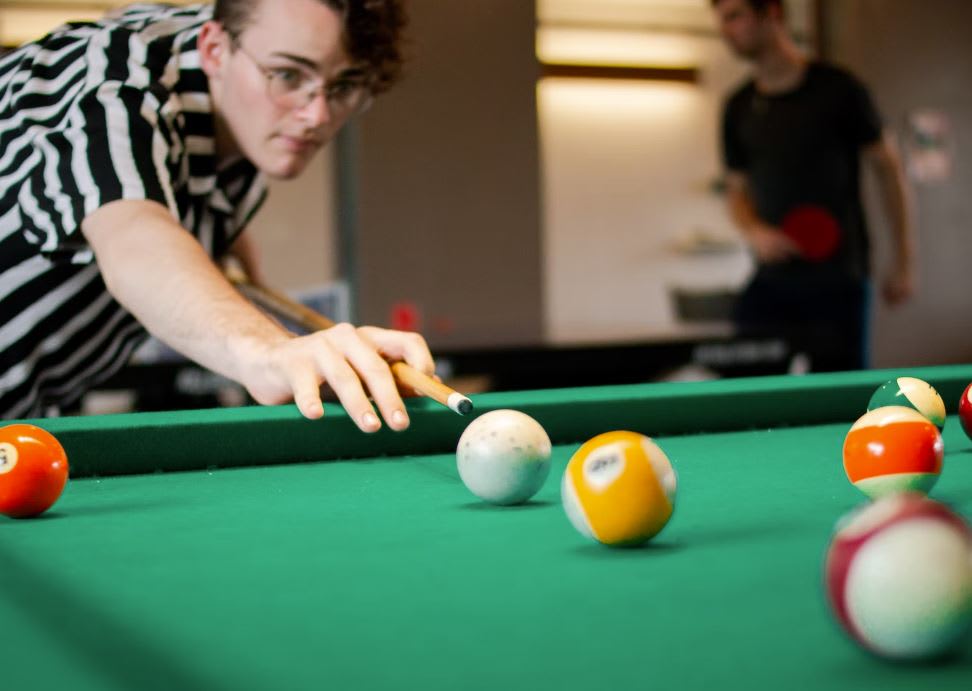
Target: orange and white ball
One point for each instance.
(33, 470)
(619, 489)
(893, 449)
(899, 577)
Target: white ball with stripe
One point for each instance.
(899, 577)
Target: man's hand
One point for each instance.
(161, 274)
(899, 285)
(352, 361)
(883, 156)
(770, 245)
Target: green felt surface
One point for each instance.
(384, 573)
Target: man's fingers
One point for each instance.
(401, 345)
(361, 353)
(304, 382)
(347, 387)
(353, 363)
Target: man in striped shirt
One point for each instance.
(132, 154)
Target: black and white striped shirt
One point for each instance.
(90, 114)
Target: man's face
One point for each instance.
(286, 42)
(746, 32)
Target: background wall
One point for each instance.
(25, 20)
(915, 54)
(296, 230)
(447, 196)
(629, 209)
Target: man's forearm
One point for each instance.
(895, 198)
(741, 209)
(897, 202)
(742, 214)
(161, 274)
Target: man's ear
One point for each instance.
(214, 47)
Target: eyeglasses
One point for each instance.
(293, 88)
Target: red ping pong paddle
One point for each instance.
(814, 230)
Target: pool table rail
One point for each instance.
(138, 443)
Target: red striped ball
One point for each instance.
(899, 577)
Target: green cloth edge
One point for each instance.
(138, 443)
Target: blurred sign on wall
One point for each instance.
(929, 146)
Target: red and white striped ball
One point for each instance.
(899, 577)
(965, 410)
(893, 449)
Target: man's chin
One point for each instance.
(744, 52)
(286, 170)
(288, 174)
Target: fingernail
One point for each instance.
(400, 419)
(370, 421)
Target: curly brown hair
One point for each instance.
(372, 32)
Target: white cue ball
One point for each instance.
(504, 457)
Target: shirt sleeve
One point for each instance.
(115, 146)
(733, 153)
(865, 124)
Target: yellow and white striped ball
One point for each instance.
(619, 489)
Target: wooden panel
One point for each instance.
(675, 74)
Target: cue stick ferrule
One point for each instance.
(460, 404)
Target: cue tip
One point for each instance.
(460, 404)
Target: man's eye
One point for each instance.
(339, 90)
(287, 77)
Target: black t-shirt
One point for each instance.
(803, 147)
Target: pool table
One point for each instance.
(252, 549)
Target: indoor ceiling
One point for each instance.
(676, 15)
(684, 14)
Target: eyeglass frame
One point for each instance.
(306, 94)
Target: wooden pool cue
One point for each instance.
(285, 307)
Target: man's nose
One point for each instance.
(317, 110)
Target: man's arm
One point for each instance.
(768, 243)
(244, 252)
(161, 274)
(899, 283)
